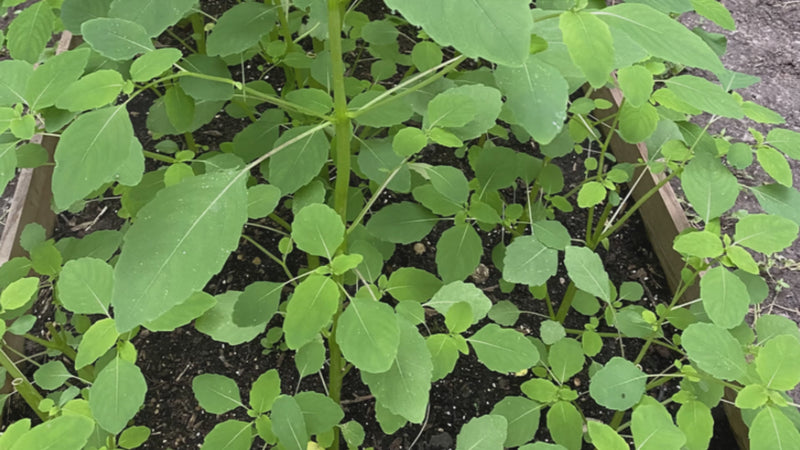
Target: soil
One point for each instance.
(170, 361)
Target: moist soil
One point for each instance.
(170, 361)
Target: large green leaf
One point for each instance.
(647, 27)
(725, 297)
(459, 292)
(90, 153)
(403, 389)
(522, 416)
(589, 43)
(537, 95)
(401, 223)
(503, 349)
(30, 31)
(216, 394)
(483, 433)
(218, 321)
(50, 79)
(410, 283)
(265, 390)
(787, 141)
(117, 394)
(310, 309)
(709, 186)
(636, 124)
(75, 12)
(604, 437)
(618, 385)
(495, 167)
(92, 91)
(116, 39)
(714, 350)
(779, 200)
(705, 95)
(171, 252)
(318, 230)
(240, 28)
(497, 30)
(288, 423)
(320, 412)
(153, 64)
(565, 424)
(778, 363)
(154, 15)
(565, 358)
(458, 252)
(298, 163)
(229, 435)
(636, 83)
(695, 420)
(450, 109)
(528, 261)
(14, 77)
(586, 270)
(203, 89)
(181, 314)
(257, 304)
(369, 335)
(775, 164)
(772, 430)
(66, 432)
(653, 428)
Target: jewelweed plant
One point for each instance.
(361, 107)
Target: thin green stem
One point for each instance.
(269, 255)
(566, 302)
(279, 220)
(190, 143)
(159, 157)
(199, 28)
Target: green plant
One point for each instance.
(316, 159)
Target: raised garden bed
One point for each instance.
(502, 383)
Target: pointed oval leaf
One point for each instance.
(401, 223)
(68, 432)
(85, 286)
(709, 186)
(412, 284)
(778, 363)
(368, 335)
(522, 416)
(483, 433)
(51, 375)
(153, 64)
(528, 261)
(310, 309)
(695, 420)
(30, 31)
(216, 394)
(618, 385)
(50, 79)
(117, 394)
(458, 252)
(288, 423)
(765, 233)
(153, 15)
(604, 437)
(257, 304)
(589, 43)
(565, 424)
(585, 268)
(171, 252)
(653, 428)
(458, 292)
(218, 322)
(725, 297)
(317, 229)
(229, 435)
(97, 340)
(92, 91)
(503, 349)
(705, 95)
(116, 39)
(13, 82)
(265, 390)
(771, 429)
(240, 28)
(714, 350)
(298, 164)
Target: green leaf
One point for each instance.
(85, 286)
(778, 363)
(403, 389)
(49, 80)
(771, 429)
(528, 261)
(537, 95)
(97, 340)
(320, 413)
(636, 83)
(565, 359)
(450, 182)
(183, 313)
(89, 153)
(240, 28)
(218, 322)
(393, 113)
(591, 194)
(378, 161)
(725, 297)
(604, 437)
(458, 252)
(410, 283)
(66, 432)
(551, 233)
(262, 199)
(709, 186)
(229, 435)
(153, 64)
(216, 394)
(765, 233)
(483, 433)
(257, 304)
(51, 375)
(551, 332)
(288, 423)
(116, 39)
(317, 229)
(30, 31)
(769, 326)
(705, 95)
(585, 268)
(522, 416)
(618, 385)
(316, 100)
(775, 164)
(589, 43)
(653, 428)
(117, 394)
(202, 89)
(565, 424)
(14, 80)
(19, 293)
(46, 259)
(300, 162)
(694, 419)
(75, 12)
(258, 137)
(450, 109)
(787, 141)
(496, 168)
(444, 355)
(457, 292)
(310, 309)
(458, 317)
(714, 350)
(92, 91)
(353, 433)
(154, 15)
(409, 141)
(702, 244)
(761, 114)
(401, 223)
(170, 252)
(426, 55)
(715, 12)
(133, 437)
(31, 156)
(779, 200)
(498, 30)
(636, 124)
(310, 358)
(503, 350)
(647, 27)
(368, 335)
(180, 109)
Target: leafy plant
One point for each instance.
(361, 113)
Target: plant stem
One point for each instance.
(159, 157)
(199, 28)
(270, 255)
(22, 385)
(341, 120)
(566, 302)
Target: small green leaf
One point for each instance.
(709, 186)
(353, 433)
(636, 124)
(51, 375)
(300, 162)
(778, 363)
(725, 297)
(586, 270)
(636, 83)
(264, 391)
(714, 350)
(528, 261)
(765, 233)
(116, 39)
(705, 95)
(779, 200)
(85, 286)
(320, 413)
(97, 340)
(752, 396)
(310, 309)
(604, 437)
(30, 31)
(19, 293)
(262, 199)
(409, 141)
(589, 43)
(179, 107)
(522, 416)
(702, 244)
(49, 80)
(761, 114)
(218, 322)
(153, 64)
(379, 116)
(565, 424)
(133, 437)
(653, 428)
(318, 230)
(368, 335)
(288, 423)
(715, 12)
(229, 435)
(591, 194)
(240, 28)
(316, 100)
(504, 313)
(450, 109)
(771, 429)
(450, 182)
(92, 91)
(458, 252)
(457, 292)
(310, 358)
(565, 359)
(154, 15)
(551, 332)
(483, 433)
(551, 233)
(116, 395)
(412, 284)
(444, 355)
(775, 164)
(618, 385)
(203, 89)
(216, 394)
(496, 168)
(695, 420)
(426, 55)
(787, 141)
(503, 350)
